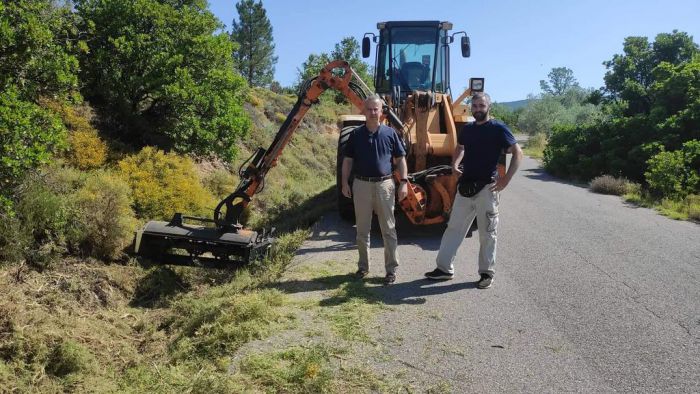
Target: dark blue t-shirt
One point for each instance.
(372, 153)
(482, 147)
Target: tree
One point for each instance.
(162, 74)
(35, 43)
(653, 124)
(310, 68)
(35, 61)
(561, 79)
(255, 55)
(630, 75)
(30, 136)
(348, 49)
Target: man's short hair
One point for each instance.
(373, 98)
(482, 96)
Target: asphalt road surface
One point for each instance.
(591, 295)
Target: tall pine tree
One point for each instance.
(255, 56)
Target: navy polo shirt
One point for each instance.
(482, 147)
(372, 153)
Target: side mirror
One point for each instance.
(476, 84)
(365, 47)
(466, 47)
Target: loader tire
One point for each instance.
(346, 209)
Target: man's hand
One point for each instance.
(500, 184)
(347, 192)
(403, 190)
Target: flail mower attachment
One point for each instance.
(199, 244)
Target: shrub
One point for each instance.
(163, 184)
(44, 215)
(254, 100)
(86, 149)
(105, 216)
(693, 204)
(220, 182)
(675, 174)
(537, 141)
(30, 136)
(607, 184)
(13, 240)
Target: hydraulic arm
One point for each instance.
(224, 236)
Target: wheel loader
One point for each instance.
(412, 76)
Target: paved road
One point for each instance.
(591, 295)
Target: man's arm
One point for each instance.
(512, 168)
(345, 174)
(457, 156)
(402, 168)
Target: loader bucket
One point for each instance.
(204, 245)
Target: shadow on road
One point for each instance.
(338, 235)
(372, 290)
(539, 174)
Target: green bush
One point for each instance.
(45, 217)
(106, 218)
(30, 136)
(163, 184)
(675, 174)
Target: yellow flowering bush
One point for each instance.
(163, 184)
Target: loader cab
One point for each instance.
(412, 55)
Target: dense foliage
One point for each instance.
(35, 60)
(650, 135)
(162, 74)
(254, 56)
(562, 102)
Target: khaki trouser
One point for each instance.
(380, 198)
(484, 207)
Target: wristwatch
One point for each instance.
(403, 180)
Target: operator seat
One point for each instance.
(413, 75)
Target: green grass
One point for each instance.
(687, 208)
(350, 309)
(298, 369)
(84, 326)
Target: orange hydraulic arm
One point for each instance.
(262, 161)
(252, 177)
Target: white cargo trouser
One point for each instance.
(378, 197)
(484, 207)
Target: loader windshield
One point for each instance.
(409, 58)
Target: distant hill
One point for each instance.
(513, 105)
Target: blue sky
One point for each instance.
(515, 44)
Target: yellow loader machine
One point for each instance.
(412, 76)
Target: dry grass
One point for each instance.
(607, 184)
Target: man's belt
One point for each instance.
(373, 178)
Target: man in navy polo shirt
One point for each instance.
(369, 153)
(479, 146)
